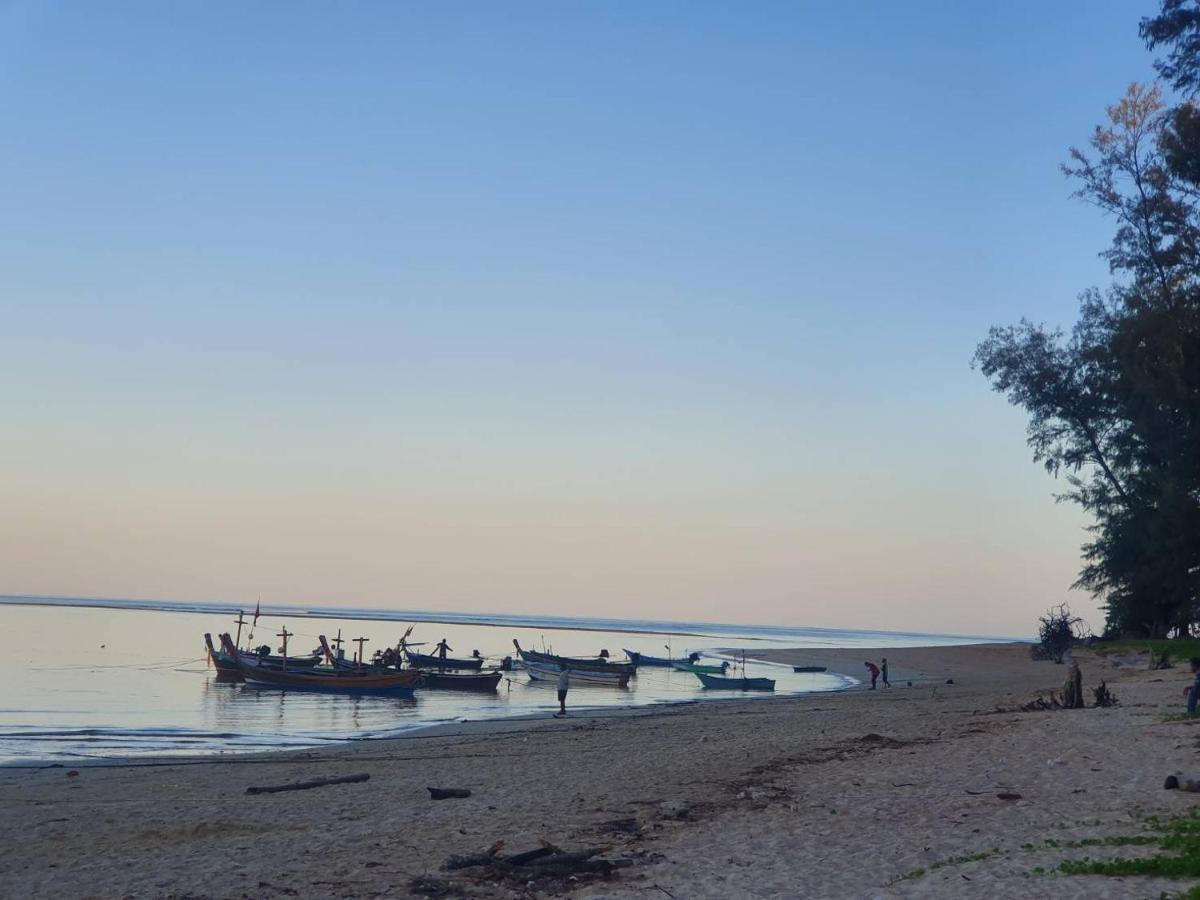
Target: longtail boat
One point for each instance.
(662, 662)
(718, 682)
(596, 664)
(338, 681)
(696, 668)
(425, 661)
(459, 681)
(542, 671)
(225, 660)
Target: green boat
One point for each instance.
(697, 669)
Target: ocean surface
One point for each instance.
(90, 678)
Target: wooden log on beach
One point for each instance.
(307, 785)
(448, 793)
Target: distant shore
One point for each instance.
(487, 619)
(841, 792)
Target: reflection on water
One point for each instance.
(103, 683)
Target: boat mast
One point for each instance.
(360, 641)
(285, 634)
(241, 620)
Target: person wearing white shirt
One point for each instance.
(564, 682)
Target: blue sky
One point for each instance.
(659, 310)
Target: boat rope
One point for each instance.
(174, 664)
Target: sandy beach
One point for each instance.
(824, 795)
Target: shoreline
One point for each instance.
(461, 728)
(843, 662)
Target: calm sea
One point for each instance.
(91, 678)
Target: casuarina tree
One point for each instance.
(1114, 405)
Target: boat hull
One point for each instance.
(641, 659)
(575, 665)
(698, 669)
(718, 682)
(549, 672)
(425, 661)
(365, 681)
(459, 681)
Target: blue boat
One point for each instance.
(720, 682)
(643, 659)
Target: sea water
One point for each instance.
(94, 679)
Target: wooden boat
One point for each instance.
(540, 671)
(643, 659)
(425, 661)
(596, 664)
(337, 681)
(459, 681)
(226, 659)
(808, 668)
(696, 668)
(718, 682)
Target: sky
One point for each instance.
(657, 310)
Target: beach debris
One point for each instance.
(1179, 783)
(308, 785)
(543, 860)
(1040, 704)
(880, 740)
(674, 809)
(1104, 697)
(448, 793)
(1073, 688)
(74, 773)
(1008, 795)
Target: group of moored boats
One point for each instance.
(403, 670)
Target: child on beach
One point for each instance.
(1193, 692)
(874, 670)
(886, 683)
(564, 682)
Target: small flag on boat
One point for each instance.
(256, 608)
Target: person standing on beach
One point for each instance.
(874, 670)
(1193, 692)
(883, 671)
(564, 682)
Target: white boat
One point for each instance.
(549, 672)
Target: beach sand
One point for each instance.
(822, 795)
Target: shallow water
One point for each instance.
(115, 682)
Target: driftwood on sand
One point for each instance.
(307, 785)
(448, 793)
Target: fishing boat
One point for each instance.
(662, 662)
(459, 681)
(808, 668)
(225, 660)
(697, 669)
(541, 671)
(425, 661)
(596, 664)
(338, 681)
(718, 682)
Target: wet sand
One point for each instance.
(821, 795)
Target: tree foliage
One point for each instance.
(1056, 632)
(1114, 406)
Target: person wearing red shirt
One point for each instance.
(874, 670)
